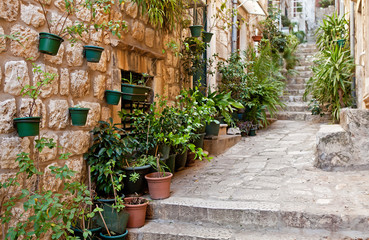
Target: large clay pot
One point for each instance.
(159, 184)
(137, 212)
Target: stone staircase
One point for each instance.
(296, 108)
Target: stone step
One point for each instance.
(292, 98)
(297, 80)
(295, 107)
(221, 144)
(174, 230)
(241, 215)
(223, 129)
(294, 92)
(302, 116)
(294, 86)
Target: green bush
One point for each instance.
(326, 3)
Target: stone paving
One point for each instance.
(276, 167)
(265, 187)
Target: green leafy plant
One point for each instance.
(43, 211)
(332, 28)
(34, 91)
(110, 146)
(326, 3)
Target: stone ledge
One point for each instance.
(221, 144)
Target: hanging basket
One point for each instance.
(112, 97)
(196, 30)
(135, 93)
(257, 38)
(92, 53)
(207, 36)
(27, 126)
(79, 116)
(341, 42)
(49, 43)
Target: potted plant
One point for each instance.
(113, 96)
(78, 115)
(92, 53)
(136, 207)
(195, 29)
(30, 125)
(135, 92)
(341, 42)
(257, 38)
(220, 13)
(159, 182)
(244, 128)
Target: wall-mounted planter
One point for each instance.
(341, 42)
(257, 38)
(207, 36)
(196, 30)
(27, 126)
(135, 93)
(92, 53)
(79, 116)
(112, 97)
(49, 43)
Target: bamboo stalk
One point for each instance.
(102, 218)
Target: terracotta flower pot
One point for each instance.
(137, 212)
(159, 184)
(257, 38)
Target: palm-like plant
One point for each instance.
(330, 84)
(331, 29)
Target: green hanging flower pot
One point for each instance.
(27, 126)
(92, 53)
(341, 42)
(196, 30)
(78, 115)
(49, 43)
(112, 97)
(207, 36)
(135, 93)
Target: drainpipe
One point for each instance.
(352, 49)
(234, 26)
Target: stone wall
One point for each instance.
(77, 82)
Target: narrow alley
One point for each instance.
(265, 187)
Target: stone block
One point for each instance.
(102, 65)
(221, 144)
(56, 25)
(52, 88)
(74, 142)
(27, 46)
(80, 84)
(149, 37)
(9, 10)
(131, 9)
(58, 114)
(10, 147)
(96, 36)
(105, 114)
(16, 76)
(2, 41)
(64, 81)
(94, 114)
(48, 154)
(32, 15)
(74, 54)
(49, 182)
(75, 164)
(7, 114)
(99, 86)
(58, 59)
(334, 148)
(138, 31)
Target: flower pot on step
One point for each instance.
(94, 231)
(105, 236)
(115, 221)
(27, 126)
(180, 162)
(137, 212)
(196, 30)
(212, 129)
(138, 186)
(92, 53)
(113, 97)
(79, 116)
(49, 43)
(199, 142)
(164, 149)
(159, 184)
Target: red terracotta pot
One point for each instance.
(257, 38)
(159, 184)
(137, 213)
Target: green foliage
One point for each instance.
(331, 81)
(326, 3)
(300, 36)
(44, 211)
(255, 81)
(333, 68)
(331, 29)
(286, 22)
(162, 14)
(34, 91)
(105, 156)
